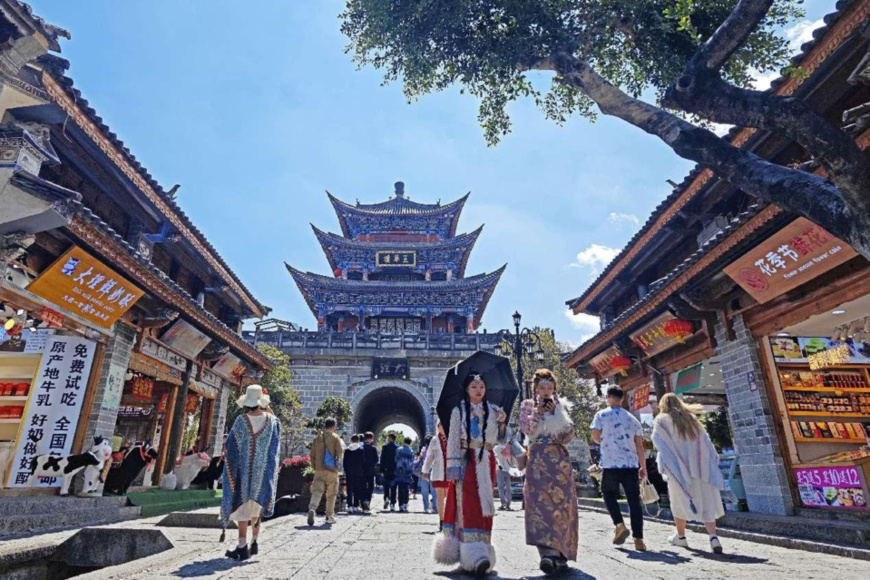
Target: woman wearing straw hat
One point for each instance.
(251, 473)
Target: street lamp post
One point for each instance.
(520, 343)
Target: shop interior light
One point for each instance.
(838, 312)
(783, 334)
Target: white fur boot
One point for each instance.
(472, 554)
(445, 549)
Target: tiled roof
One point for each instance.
(659, 285)
(42, 187)
(15, 9)
(798, 59)
(237, 342)
(56, 65)
(398, 205)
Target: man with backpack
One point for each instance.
(326, 456)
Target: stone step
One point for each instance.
(44, 522)
(51, 504)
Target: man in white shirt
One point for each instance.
(620, 436)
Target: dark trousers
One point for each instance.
(628, 478)
(403, 493)
(368, 488)
(355, 490)
(389, 487)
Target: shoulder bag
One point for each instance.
(329, 461)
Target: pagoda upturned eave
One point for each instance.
(339, 249)
(324, 290)
(397, 214)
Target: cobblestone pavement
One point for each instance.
(394, 545)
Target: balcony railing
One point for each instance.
(301, 339)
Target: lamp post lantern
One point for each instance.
(521, 343)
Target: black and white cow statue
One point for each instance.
(66, 467)
(119, 478)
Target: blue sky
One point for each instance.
(255, 109)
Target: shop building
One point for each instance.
(118, 318)
(726, 300)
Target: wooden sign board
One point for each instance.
(184, 339)
(640, 398)
(601, 361)
(84, 285)
(651, 338)
(396, 259)
(793, 256)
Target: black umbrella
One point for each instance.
(501, 385)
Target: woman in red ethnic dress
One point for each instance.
(475, 427)
(549, 494)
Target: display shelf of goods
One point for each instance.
(827, 403)
(852, 381)
(829, 432)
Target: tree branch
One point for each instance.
(716, 100)
(803, 193)
(730, 36)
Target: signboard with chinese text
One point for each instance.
(601, 361)
(688, 380)
(201, 388)
(184, 339)
(53, 407)
(652, 338)
(396, 259)
(84, 285)
(229, 366)
(831, 486)
(160, 353)
(143, 389)
(383, 368)
(640, 398)
(114, 387)
(793, 256)
(36, 339)
(798, 349)
(51, 318)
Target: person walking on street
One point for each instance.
(476, 425)
(689, 460)
(623, 462)
(250, 475)
(415, 475)
(503, 478)
(435, 468)
(404, 475)
(388, 469)
(354, 457)
(549, 494)
(370, 470)
(326, 457)
(426, 489)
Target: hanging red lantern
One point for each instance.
(337, 272)
(679, 329)
(620, 364)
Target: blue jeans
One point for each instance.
(427, 490)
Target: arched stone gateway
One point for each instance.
(379, 403)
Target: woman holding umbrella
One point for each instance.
(475, 426)
(550, 498)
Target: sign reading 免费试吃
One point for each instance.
(796, 254)
(397, 259)
(831, 486)
(53, 406)
(84, 285)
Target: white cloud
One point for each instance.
(587, 325)
(595, 257)
(624, 218)
(801, 32)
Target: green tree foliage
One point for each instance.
(582, 402)
(668, 67)
(334, 407)
(400, 438)
(718, 428)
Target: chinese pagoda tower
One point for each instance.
(398, 266)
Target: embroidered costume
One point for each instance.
(251, 474)
(549, 494)
(467, 529)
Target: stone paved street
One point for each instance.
(397, 546)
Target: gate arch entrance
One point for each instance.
(383, 404)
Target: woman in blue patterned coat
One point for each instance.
(251, 473)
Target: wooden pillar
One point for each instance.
(164, 435)
(178, 416)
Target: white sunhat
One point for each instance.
(254, 397)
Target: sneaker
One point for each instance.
(639, 545)
(675, 540)
(482, 568)
(310, 517)
(716, 545)
(330, 520)
(561, 565)
(387, 504)
(366, 506)
(547, 565)
(255, 549)
(392, 507)
(620, 535)
(239, 553)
